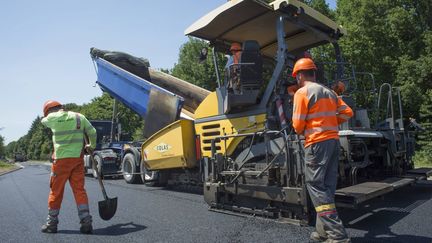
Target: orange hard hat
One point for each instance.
(235, 46)
(303, 64)
(50, 104)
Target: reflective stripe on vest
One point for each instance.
(342, 116)
(74, 140)
(299, 116)
(67, 132)
(342, 107)
(325, 207)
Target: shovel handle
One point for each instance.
(90, 152)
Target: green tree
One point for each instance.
(414, 75)
(36, 144)
(424, 157)
(10, 149)
(21, 146)
(387, 38)
(322, 7)
(426, 117)
(72, 107)
(2, 147)
(189, 67)
(101, 108)
(324, 53)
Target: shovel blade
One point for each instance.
(107, 208)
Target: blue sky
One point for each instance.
(45, 47)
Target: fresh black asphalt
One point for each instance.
(147, 214)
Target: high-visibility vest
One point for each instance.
(318, 111)
(69, 129)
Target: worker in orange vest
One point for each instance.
(69, 129)
(318, 111)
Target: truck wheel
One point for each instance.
(97, 166)
(151, 178)
(130, 170)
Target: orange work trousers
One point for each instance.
(62, 170)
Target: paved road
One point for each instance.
(156, 215)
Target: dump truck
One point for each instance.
(238, 145)
(109, 149)
(129, 80)
(19, 157)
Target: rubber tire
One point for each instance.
(154, 176)
(98, 161)
(129, 165)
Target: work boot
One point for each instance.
(51, 222)
(316, 237)
(86, 228)
(86, 225)
(49, 228)
(85, 219)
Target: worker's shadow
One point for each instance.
(113, 230)
(378, 217)
(119, 229)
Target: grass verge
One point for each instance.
(5, 167)
(423, 158)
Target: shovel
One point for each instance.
(107, 207)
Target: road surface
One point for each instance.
(148, 214)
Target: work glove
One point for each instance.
(88, 148)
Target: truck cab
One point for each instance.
(107, 154)
(19, 157)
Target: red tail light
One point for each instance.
(198, 147)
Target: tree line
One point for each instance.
(392, 39)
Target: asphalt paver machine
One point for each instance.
(252, 160)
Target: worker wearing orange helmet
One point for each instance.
(318, 112)
(69, 129)
(231, 68)
(235, 50)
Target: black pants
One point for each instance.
(321, 170)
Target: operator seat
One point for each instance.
(251, 66)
